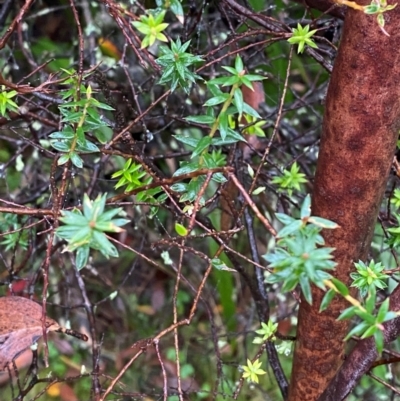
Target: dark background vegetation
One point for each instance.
(122, 303)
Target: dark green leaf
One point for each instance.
(357, 330)
(284, 218)
(82, 256)
(341, 287)
(62, 135)
(186, 169)
(219, 177)
(216, 100)
(76, 159)
(179, 187)
(87, 147)
(238, 96)
(306, 288)
(203, 144)
(223, 125)
(367, 317)
(204, 119)
(379, 341)
(348, 313)
(247, 109)
(61, 146)
(290, 229)
(100, 242)
(187, 140)
(327, 300)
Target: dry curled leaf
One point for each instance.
(21, 326)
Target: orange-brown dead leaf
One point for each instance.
(21, 326)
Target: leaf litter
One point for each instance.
(21, 326)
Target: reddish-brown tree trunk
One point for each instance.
(361, 126)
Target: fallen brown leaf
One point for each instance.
(21, 326)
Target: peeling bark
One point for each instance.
(361, 125)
